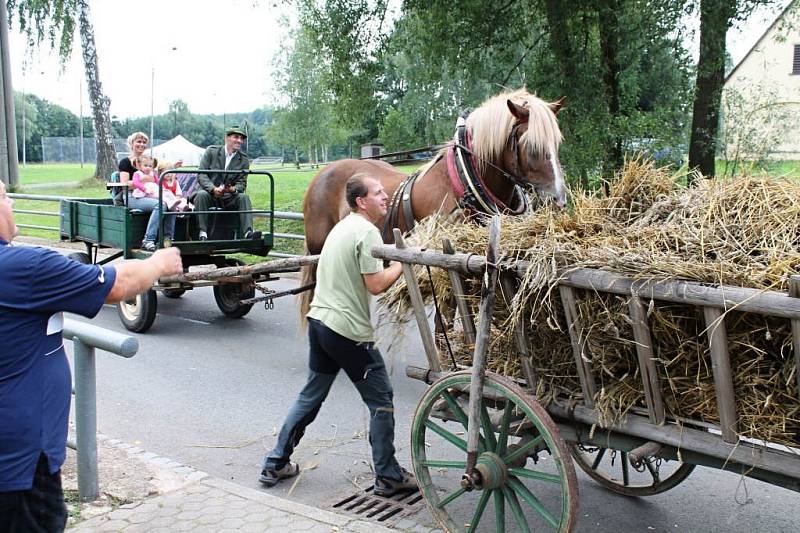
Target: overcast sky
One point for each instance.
(216, 56)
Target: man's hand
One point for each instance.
(230, 189)
(168, 261)
(219, 190)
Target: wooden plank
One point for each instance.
(482, 336)
(721, 368)
(418, 305)
(769, 303)
(458, 293)
(508, 282)
(578, 342)
(647, 366)
(794, 292)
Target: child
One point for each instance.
(144, 179)
(172, 195)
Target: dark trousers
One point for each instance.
(229, 202)
(362, 362)
(38, 510)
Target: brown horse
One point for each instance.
(510, 141)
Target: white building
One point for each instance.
(761, 99)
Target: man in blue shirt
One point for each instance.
(38, 285)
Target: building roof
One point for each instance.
(760, 39)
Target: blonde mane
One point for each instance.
(491, 125)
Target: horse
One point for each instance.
(509, 143)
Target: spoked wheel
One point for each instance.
(138, 313)
(612, 469)
(525, 466)
(228, 295)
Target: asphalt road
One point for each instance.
(212, 392)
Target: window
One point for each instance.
(796, 60)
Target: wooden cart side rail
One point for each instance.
(698, 442)
(770, 303)
(278, 265)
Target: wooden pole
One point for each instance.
(482, 344)
(419, 308)
(458, 293)
(578, 341)
(794, 292)
(279, 265)
(507, 281)
(647, 366)
(721, 369)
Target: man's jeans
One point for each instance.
(150, 205)
(328, 353)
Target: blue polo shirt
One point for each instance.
(36, 286)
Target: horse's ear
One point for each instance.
(519, 112)
(556, 106)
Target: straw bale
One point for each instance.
(738, 232)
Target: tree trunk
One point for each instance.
(715, 18)
(612, 69)
(106, 156)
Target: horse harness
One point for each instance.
(472, 194)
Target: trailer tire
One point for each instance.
(80, 257)
(138, 313)
(173, 293)
(228, 295)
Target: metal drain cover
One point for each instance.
(365, 504)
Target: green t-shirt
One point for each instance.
(341, 299)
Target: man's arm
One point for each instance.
(204, 180)
(136, 276)
(240, 184)
(380, 281)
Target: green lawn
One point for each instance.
(37, 173)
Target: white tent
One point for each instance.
(179, 148)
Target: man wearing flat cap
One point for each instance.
(226, 191)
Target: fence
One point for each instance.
(281, 215)
(85, 339)
(68, 149)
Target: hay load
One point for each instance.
(740, 232)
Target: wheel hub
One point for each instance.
(130, 308)
(493, 471)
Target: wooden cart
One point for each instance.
(488, 456)
(100, 223)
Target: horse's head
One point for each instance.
(533, 148)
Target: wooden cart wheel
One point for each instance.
(228, 295)
(525, 465)
(138, 313)
(612, 469)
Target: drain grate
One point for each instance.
(365, 504)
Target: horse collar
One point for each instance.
(468, 185)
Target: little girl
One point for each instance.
(144, 179)
(172, 195)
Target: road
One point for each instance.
(212, 392)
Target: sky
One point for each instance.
(216, 56)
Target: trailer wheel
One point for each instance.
(228, 295)
(138, 313)
(80, 257)
(173, 293)
(611, 469)
(524, 464)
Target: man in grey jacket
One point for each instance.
(226, 191)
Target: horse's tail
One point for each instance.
(305, 297)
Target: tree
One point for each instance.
(55, 21)
(716, 17)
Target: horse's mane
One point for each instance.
(491, 125)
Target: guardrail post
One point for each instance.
(86, 420)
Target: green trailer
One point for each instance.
(106, 223)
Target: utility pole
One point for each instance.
(9, 162)
(24, 148)
(80, 107)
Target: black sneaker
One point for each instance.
(149, 246)
(386, 487)
(269, 478)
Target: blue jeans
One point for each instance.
(328, 353)
(150, 205)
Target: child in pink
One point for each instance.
(172, 195)
(144, 179)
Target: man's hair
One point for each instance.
(356, 188)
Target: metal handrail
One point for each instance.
(85, 339)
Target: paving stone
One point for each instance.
(208, 519)
(231, 523)
(113, 525)
(303, 525)
(235, 512)
(147, 456)
(194, 514)
(183, 525)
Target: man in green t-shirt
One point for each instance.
(341, 336)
